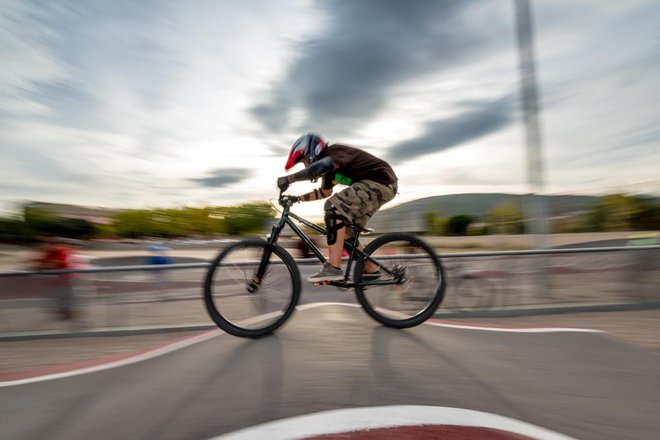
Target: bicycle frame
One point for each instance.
(350, 246)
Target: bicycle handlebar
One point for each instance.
(285, 200)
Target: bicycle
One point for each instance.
(253, 286)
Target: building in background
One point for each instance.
(99, 216)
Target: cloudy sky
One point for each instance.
(155, 103)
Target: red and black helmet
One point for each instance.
(308, 146)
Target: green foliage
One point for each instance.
(507, 218)
(458, 224)
(239, 220)
(569, 225)
(614, 212)
(247, 218)
(454, 225)
(14, 229)
(166, 223)
(39, 222)
(104, 231)
(648, 217)
(478, 230)
(618, 212)
(75, 228)
(134, 223)
(436, 225)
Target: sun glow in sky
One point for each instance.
(163, 104)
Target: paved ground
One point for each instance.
(582, 384)
(639, 328)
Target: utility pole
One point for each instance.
(535, 205)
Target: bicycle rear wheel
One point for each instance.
(240, 307)
(420, 289)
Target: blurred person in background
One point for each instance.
(371, 183)
(159, 257)
(56, 254)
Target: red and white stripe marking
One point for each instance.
(505, 329)
(396, 422)
(106, 363)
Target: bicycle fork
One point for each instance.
(258, 277)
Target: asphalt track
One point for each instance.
(333, 357)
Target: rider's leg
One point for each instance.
(335, 250)
(334, 223)
(336, 230)
(359, 200)
(369, 267)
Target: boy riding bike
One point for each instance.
(371, 183)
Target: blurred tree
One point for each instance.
(648, 216)
(133, 223)
(237, 220)
(15, 230)
(618, 212)
(247, 218)
(458, 224)
(429, 217)
(74, 228)
(198, 221)
(507, 218)
(39, 220)
(436, 225)
(105, 231)
(42, 222)
(569, 225)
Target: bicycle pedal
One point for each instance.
(322, 283)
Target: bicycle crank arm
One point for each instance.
(351, 284)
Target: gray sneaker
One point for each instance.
(327, 273)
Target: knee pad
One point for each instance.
(333, 222)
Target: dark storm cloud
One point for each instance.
(479, 120)
(223, 177)
(343, 77)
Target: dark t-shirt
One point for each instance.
(357, 165)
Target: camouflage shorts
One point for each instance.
(361, 200)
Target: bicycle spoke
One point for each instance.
(417, 279)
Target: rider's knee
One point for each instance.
(334, 221)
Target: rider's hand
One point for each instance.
(292, 199)
(283, 183)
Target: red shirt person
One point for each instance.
(54, 257)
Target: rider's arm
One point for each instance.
(314, 171)
(317, 194)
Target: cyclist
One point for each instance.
(371, 183)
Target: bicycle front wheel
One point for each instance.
(412, 285)
(243, 305)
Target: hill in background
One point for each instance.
(410, 216)
(479, 204)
